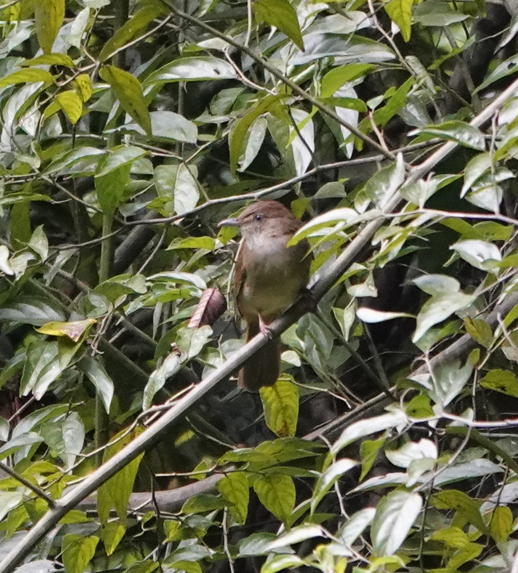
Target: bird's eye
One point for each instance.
(258, 217)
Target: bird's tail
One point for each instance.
(264, 367)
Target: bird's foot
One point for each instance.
(265, 329)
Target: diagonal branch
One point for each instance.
(154, 433)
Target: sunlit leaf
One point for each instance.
(395, 515)
(49, 15)
(78, 550)
(281, 407)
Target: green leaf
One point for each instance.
(168, 125)
(461, 502)
(437, 285)
(238, 134)
(115, 493)
(280, 562)
(355, 526)
(476, 167)
(367, 427)
(281, 15)
(28, 76)
(439, 308)
(458, 131)
(395, 515)
(501, 524)
(158, 377)
(32, 310)
(338, 219)
(178, 183)
(373, 316)
(128, 91)
(71, 104)
(111, 535)
(369, 450)
(340, 75)
(468, 553)
(328, 479)
(382, 186)
(50, 60)
(412, 451)
(150, 10)
(73, 432)
(504, 69)
(400, 12)
(97, 375)
(281, 407)
(277, 493)
(78, 551)
(297, 535)
(83, 86)
(49, 16)
(110, 187)
(452, 536)
(502, 381)
(480, 254)
(202, 502)
(191, 341)
(234, 488)
(67, 160)
(193, 69)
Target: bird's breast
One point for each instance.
(275, 276)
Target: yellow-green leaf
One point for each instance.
(111, 535)
(501, 381)
(452, 536)
(71, 104)
(78, 551)
(461, 502)
(28, 76)
(50, 60)
(400, 12)
(49, 15)
(501, 524)
(73, 329)
(83, 86)
(115, 493)
(479, 330)
(128, 91)
(281, 407)
(277, 493)
(234, 488)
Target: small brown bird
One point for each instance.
(269, 278)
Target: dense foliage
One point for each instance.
(128, 130)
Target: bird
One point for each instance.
(269, 277)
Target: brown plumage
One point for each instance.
(269, 278)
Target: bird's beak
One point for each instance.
(234, 222)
